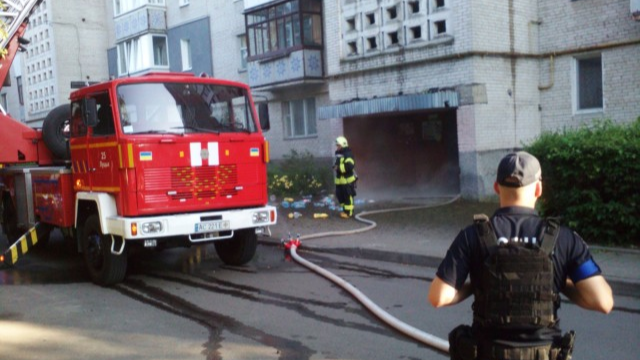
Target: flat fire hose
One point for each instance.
(389, 319)
(404, 328)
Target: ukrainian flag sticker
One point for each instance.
(146, 156)
(254, 152)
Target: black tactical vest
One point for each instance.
(516, 284)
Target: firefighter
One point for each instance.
(344, 167)
(518, 264)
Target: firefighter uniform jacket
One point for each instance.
(344, 165)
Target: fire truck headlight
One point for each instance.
(151, 227)
(260, 217)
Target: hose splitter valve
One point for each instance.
(288, 244)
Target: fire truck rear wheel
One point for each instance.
(55, 130)
(238, 250)
(104, 267)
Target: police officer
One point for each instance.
(345, 179)
(515, 315)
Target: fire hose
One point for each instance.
(404, 328)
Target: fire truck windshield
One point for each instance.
(158, 108)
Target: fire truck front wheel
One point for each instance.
(104, 267)
(238, 250)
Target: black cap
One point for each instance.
(518, 169)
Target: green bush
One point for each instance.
(297, 174)
(590, 180)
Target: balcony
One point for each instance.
(295, 68)
(140, 21)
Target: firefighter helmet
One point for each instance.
(342, 141)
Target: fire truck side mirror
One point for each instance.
(90, 113)
(263, 115)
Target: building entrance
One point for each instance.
(405, 154)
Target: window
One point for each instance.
(242, 40)
(372, 43)
(284, 26)
(300, 118)
(312, 29)
(160, 56)
(105, 126)
(78, 128)
(414, 6)
(393, 38)
(184, 107)
(353, 48)
(371, 18)
(185, 51)
(128, 57)
(440, 27)
(183, 3)
(392, 13)
(589, 82)
(123, 6)
(416, 32)
(3, 100)
(20, 89)
(143, 53)
(351, 24)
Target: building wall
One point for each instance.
(502, 51)
(199, 35)
(14, 108)
(80, 41)
(321, 145)
(597, 26)
(76, 47)
(229, 25)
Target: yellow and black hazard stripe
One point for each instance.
(23, 244)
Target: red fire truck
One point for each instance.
(155, 161)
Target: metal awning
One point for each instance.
(431, 100)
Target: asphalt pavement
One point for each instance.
(413, 230)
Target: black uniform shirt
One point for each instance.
(571, 256)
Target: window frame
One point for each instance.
(289, 121)
(577, 78)
(143, 56)
(244, 52)
(185, 54)
(283, 27)
(121, 7)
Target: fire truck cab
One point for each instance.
(159, 160)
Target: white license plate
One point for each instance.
(212, 226)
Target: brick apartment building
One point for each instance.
(430, 93)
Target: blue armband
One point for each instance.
(587, 269)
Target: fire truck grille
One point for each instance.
(188, 183)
